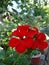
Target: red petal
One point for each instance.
(43, 45)
(23, 33)
(23, 30)
(28, 42)
(13, 42)
(15, 33)
(21, 48)
(24, 27)
(35, 45)
(32, 33)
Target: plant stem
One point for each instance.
(17, 59)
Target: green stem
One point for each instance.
(17, 59)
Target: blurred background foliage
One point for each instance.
(18, 12)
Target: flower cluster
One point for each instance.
(24, 37)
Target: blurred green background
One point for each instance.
(18, 12)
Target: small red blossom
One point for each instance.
(41, 36)
(43, 45)
(13, 42)
(21, 48)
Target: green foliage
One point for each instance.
(4, 4)
(35, 52)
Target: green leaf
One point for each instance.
(2, 53)
(2, 63)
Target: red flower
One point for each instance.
(41, 37)
(21, 48)
(27, 38)
(13, 42)
(43, 45)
